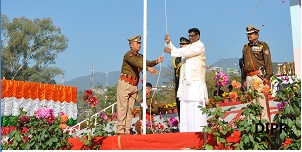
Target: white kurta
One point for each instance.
(192, 90)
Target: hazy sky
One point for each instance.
(98, 29)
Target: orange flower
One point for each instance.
(62, 126)
(287, 142)
(64, 118)
(233, 94)
(256, 84)
(236, 84)
(266, 88)
(222, 147)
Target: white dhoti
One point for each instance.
(191, 117)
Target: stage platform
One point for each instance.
(168, 141)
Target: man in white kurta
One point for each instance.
(192, 90)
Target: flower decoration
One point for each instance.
(256, 84)
(281, 105)
(287, 141)
(221, 79)
(236, 84)
(47, 114)
(92, 101)
(88, 93)
(137, 110)
(159, 126)
(286, 78)
(103, 115)
(173, 122)
(23, 120)
(63, 117)
(225, 95)
(266, 89)
(233, 94)
(114, 115)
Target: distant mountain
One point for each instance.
(227, 63)
(83, 82)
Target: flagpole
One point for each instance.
(144, 65)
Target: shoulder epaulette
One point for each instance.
(263, 43)
(246, 46)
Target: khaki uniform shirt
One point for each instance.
(133, 63)
(257, 55)
(154, 106)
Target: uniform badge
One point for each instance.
(130, 55)
(255, 48)
(266, 52)
(155, 102)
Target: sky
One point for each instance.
(97, 30)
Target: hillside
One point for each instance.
(83, 82)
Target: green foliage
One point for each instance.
(290, 114)
(95, 128)
(29, 46)
(250, 140)
(211, 84)
(40, 136)
(219, 128)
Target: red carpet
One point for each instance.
(169, 141)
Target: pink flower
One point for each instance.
(114, 115)
(148, 123)
(173, 122)
(221, 79)
(61, 113)
(104, 116)
(286, 79)
(44, 113)
(50, 119)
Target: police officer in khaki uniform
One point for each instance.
(177, 64)
(257, 66)
(128, 81)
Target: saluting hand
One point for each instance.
(152, 71)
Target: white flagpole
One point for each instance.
(144, 65)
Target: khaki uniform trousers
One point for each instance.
(262, 102)
(126, 95)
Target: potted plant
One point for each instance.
(163, 109)
(226, 97)
(233, 96)
(169, 108)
